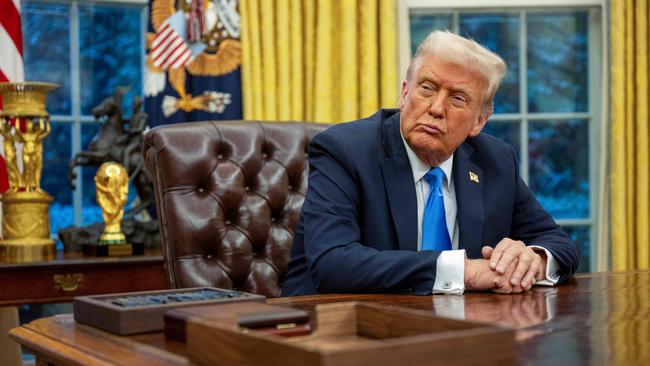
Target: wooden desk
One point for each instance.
(72, 274)
(601, 318)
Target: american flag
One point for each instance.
(169, 49)
(11, 58)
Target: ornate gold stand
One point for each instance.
(26, 218)
(26, 227)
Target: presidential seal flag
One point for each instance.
(193, 61)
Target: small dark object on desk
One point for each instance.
(253, 316)
(141, 312)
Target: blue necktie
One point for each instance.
(435, 235)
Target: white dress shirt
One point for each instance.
(450, 272)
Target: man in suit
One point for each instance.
(418, 200)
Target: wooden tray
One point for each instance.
(355, 333)
(101, 311)
(279, 320)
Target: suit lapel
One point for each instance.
(468, 182)
(400, 189)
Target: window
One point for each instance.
(548, 105)
(88, 48)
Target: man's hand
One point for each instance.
(479, 276)
(529, 266)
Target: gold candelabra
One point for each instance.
(24, 123)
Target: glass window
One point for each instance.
(46, 50)
(110, 54)
(56, 155)
(89, 48)
(559, 166)
(557, 62)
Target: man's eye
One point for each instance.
(459, 100)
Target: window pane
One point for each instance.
(500, 34)
(506, 131)
(581, 237)
(90, 210)
(423, 23)
(56, 155)
(557, 62)
(111, 53)
(46, 50)
(559, 166)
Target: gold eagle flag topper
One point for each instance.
(26, 219)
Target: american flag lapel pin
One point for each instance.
(473, 177)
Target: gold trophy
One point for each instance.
(112, 186)
(26, 219)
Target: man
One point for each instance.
(418, 200)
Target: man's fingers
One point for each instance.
(507, 258)
(497, 253)
(522, 268)
(487, 252)
(533, 273)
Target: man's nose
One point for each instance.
(437, 107)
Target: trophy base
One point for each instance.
(26, 250)
(112, 250)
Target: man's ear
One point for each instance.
(403, 93)
(479, 124)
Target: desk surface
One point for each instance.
(601, 318)
(72, 274)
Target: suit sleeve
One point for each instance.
(534, 226)
(337, 259)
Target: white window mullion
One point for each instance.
(597, 153)
(523, 95)
(75, 91)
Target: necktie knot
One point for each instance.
(434, 177)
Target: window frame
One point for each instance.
(597, 95)
(76, 119)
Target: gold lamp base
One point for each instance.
(26, 227)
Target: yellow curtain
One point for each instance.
(630, 145)
(318, 60)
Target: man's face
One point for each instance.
(441, 105)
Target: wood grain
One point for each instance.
(33, 283)
(356, 333)
(599, 318)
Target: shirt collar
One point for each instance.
(420, 168)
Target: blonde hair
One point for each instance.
(455, 48)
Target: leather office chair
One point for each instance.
(228, 197)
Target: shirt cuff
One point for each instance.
(450, 273)
(552, 268)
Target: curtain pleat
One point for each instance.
(630, 135)
(318, 60)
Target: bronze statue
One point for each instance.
(115, 143)
(118, 140)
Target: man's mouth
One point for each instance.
(431, 129)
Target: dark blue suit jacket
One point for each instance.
(358, 227)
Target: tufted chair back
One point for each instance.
(228, 197)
